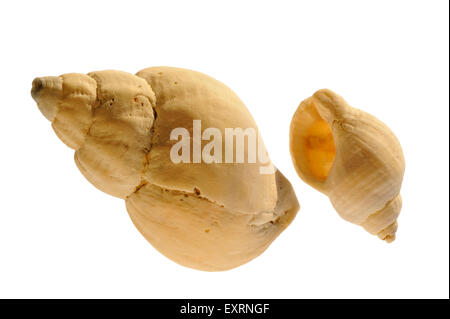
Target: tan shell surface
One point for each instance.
(113, 156)
(197, 233)
(181, 97)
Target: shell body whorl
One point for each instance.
(353, 158)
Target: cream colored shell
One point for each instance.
(353, 158)
(205, 216)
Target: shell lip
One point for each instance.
(307, 110)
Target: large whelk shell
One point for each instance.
(208, 216)
(353, 158)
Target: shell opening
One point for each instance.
(312, 145)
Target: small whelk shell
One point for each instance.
(353, 158)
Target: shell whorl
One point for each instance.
(383, 223)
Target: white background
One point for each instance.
(61, 237)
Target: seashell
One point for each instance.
(208, 216)
(351, 157)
